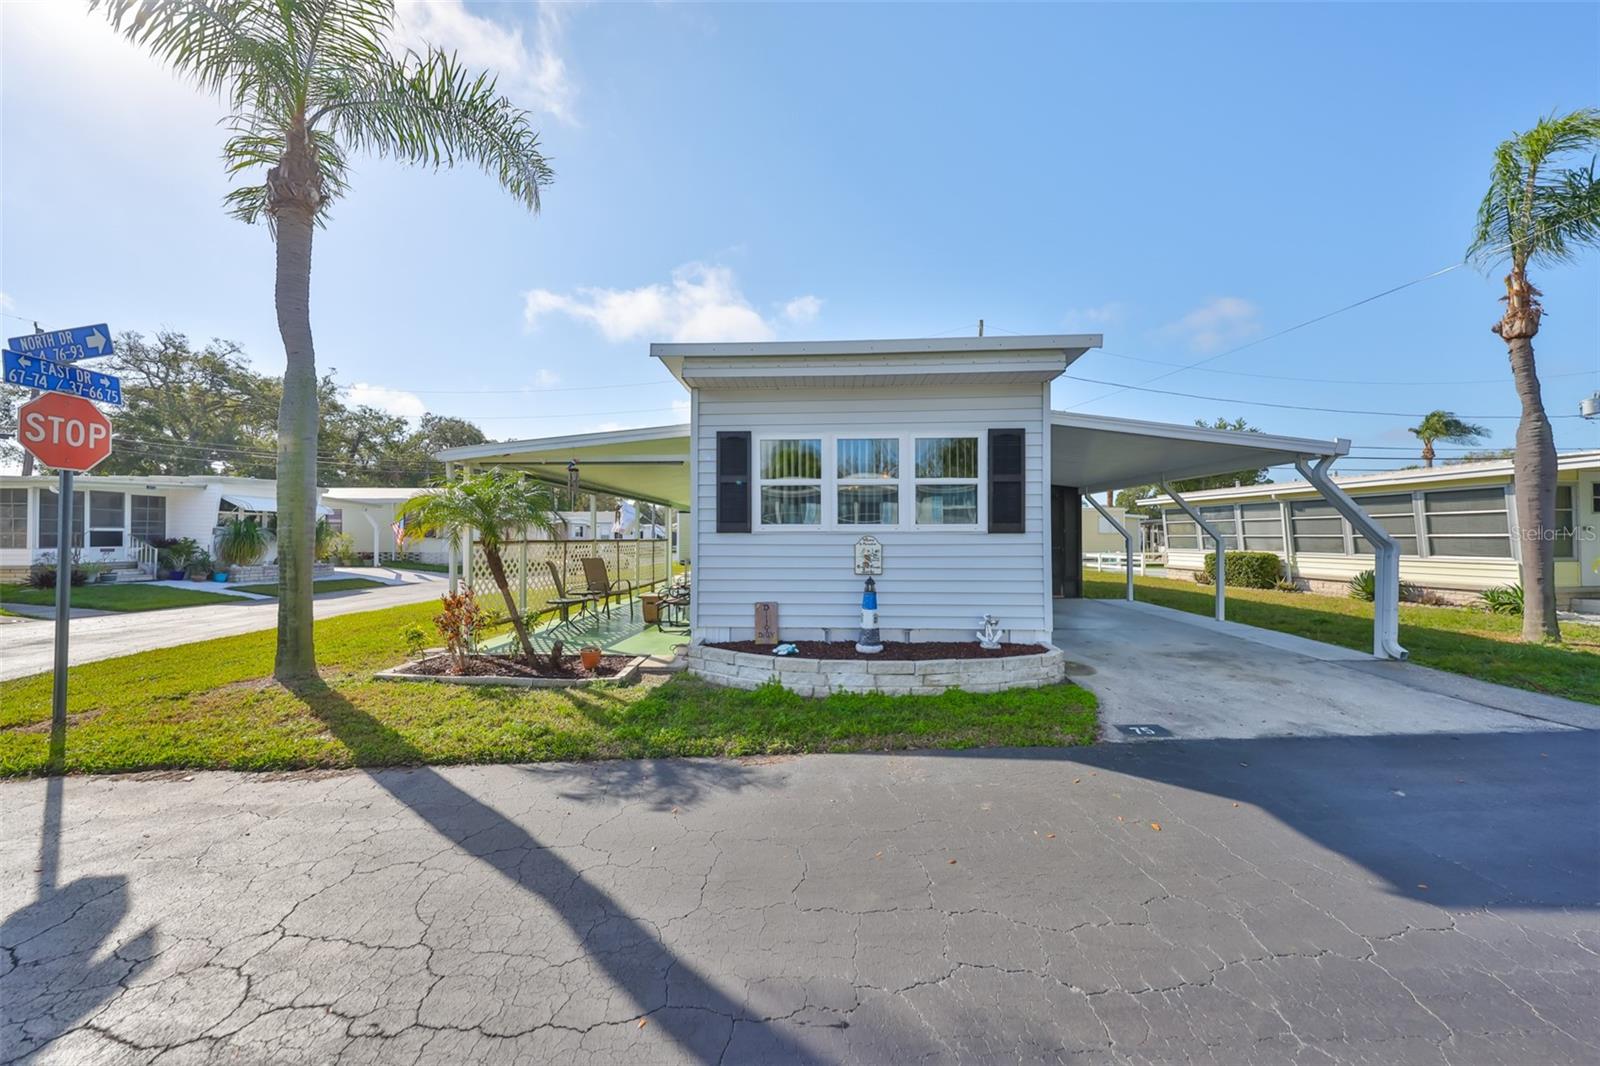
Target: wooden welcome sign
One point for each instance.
(766, 623)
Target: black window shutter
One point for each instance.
(733, 482)
(1006, 488)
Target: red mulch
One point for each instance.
(506, 666)
(897, 650)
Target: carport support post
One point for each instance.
(1127, 538)
(1385, 554)
(1216, 538)
(450, 549)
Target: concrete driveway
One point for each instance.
(1429, 899)
(1201, 679)
(30, 646)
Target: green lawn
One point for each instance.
(406, 564)
(1461, 640)
(131, 597)
(211, 705)
(331, 584)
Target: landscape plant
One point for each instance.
(1364, 586)
(492, 506)
(1502, 599)
(460, 619)
(1542, 208)
(242, 542)
(1443, 425)
(308, 84)
(1243, 569)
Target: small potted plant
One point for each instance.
(242, 542)
(198, 568)
(590, 654)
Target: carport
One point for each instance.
(1090, 454)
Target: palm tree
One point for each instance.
(494, 503)
(1537, 212)
(1443, 425)
(308, 83)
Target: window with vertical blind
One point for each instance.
(13, 518)
(1395, 515)
(947, 481)
(867, 476)
(790, 481)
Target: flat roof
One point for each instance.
(894, 346)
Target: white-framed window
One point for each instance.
(867, 481)
(946, 481)
(1566, 522)
(148, 517)
(1469, 523)
(13, 518)
(107, 518)
(1395, 514)
(789, 479)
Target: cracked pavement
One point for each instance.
(1421, 899)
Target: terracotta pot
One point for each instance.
(590, 657)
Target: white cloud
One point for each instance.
(702, 303)
(1220, 323)
(394, 401)
(534, 75)
(1100, 315)
(545, 378)
(802, 309)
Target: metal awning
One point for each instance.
(650, 464)
(1093, 453)
(261, 504)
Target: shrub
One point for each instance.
(339, 548)
(42, 574)
(1364, 585)
(459, 624)
(243, 542)
(1502, 599)
(1285, 585)
(1247, 570)
(415, 638)
(1203, 577)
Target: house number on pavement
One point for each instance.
(869, 557)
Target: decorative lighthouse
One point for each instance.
(869, 644)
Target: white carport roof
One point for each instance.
(1094, 453)
(1089, 452)
(649, 464)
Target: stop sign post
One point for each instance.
(72, 435)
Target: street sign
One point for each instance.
(33, 372)
(65, 432)
(65, 345)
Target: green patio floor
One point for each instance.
(617, 632)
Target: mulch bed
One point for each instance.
(505, 666)
(897, 650)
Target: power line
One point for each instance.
(1121, 386)
(1436, 383)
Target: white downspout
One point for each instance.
(377, 542)
(1221, 609)
(1127, 538)
(1386, 559)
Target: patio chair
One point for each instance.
(601, 585)
(563, 600)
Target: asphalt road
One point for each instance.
(29, 647)
(1422, 899)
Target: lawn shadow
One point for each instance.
(52, 979)
(685, 1004)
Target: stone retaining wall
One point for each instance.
(821, 677)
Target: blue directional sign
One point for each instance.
(31, 372)
(65, 345)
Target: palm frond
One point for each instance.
(431, 110)
(1536, 209)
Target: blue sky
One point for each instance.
(1181, 179)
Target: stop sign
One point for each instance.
(65, 432)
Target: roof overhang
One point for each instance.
(1094, 453)
(650, 464)
(926, 361)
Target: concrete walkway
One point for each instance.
(1429, 899)
(30, 646)
(1199, 678)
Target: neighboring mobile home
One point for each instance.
(945, 452)
(1456, 526)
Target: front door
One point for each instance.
(1066, 542)
(1586, 516)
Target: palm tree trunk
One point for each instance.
(1427, 453)
(1534, 465)
(294, 188)
(498, 570)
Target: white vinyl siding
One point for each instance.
(936, 580)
